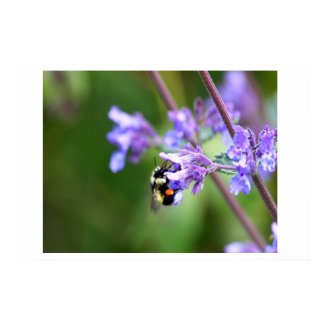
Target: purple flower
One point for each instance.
(172, 139)
(266, 151)
(268, 161)
(202, 124)
(193, 167)
(185, 126)
(237, 247)
(246, 165)
(241, 144)
(178, 197)
(274, 228)
(250, 247)
(131, 133)
(242, 153)
(240, 183)
(267, 140)
(213, 118)
(117, 161)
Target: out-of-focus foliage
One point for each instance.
(87, 208)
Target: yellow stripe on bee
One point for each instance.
(160, 181)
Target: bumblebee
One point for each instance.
(162, 193)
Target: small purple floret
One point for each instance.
(184, 124)
(241, 144)
(132, 133)
(240, 183)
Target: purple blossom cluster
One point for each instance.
(132, 133)
(212, 118)
(250, 247)
(185, 128)
(189, 126)
(246, 156)
(193, 166)
(190, 166)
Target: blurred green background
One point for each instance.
(87, 208)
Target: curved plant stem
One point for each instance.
(234, 205)
(222, 108)
(163, 91)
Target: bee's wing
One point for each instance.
(154, 205)
(167, 164)
(156, 199)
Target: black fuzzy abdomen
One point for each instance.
(168, 199)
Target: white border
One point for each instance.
(292, 230)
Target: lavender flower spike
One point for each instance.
(132, 133)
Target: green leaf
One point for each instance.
(226, 171)
(222, 159)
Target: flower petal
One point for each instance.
(178, 197)
(240, 183)
(174, 157)
(197, 187)
(117, 161)
(121, 118)
(121, 138)
(237, 247)
(172, 139)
